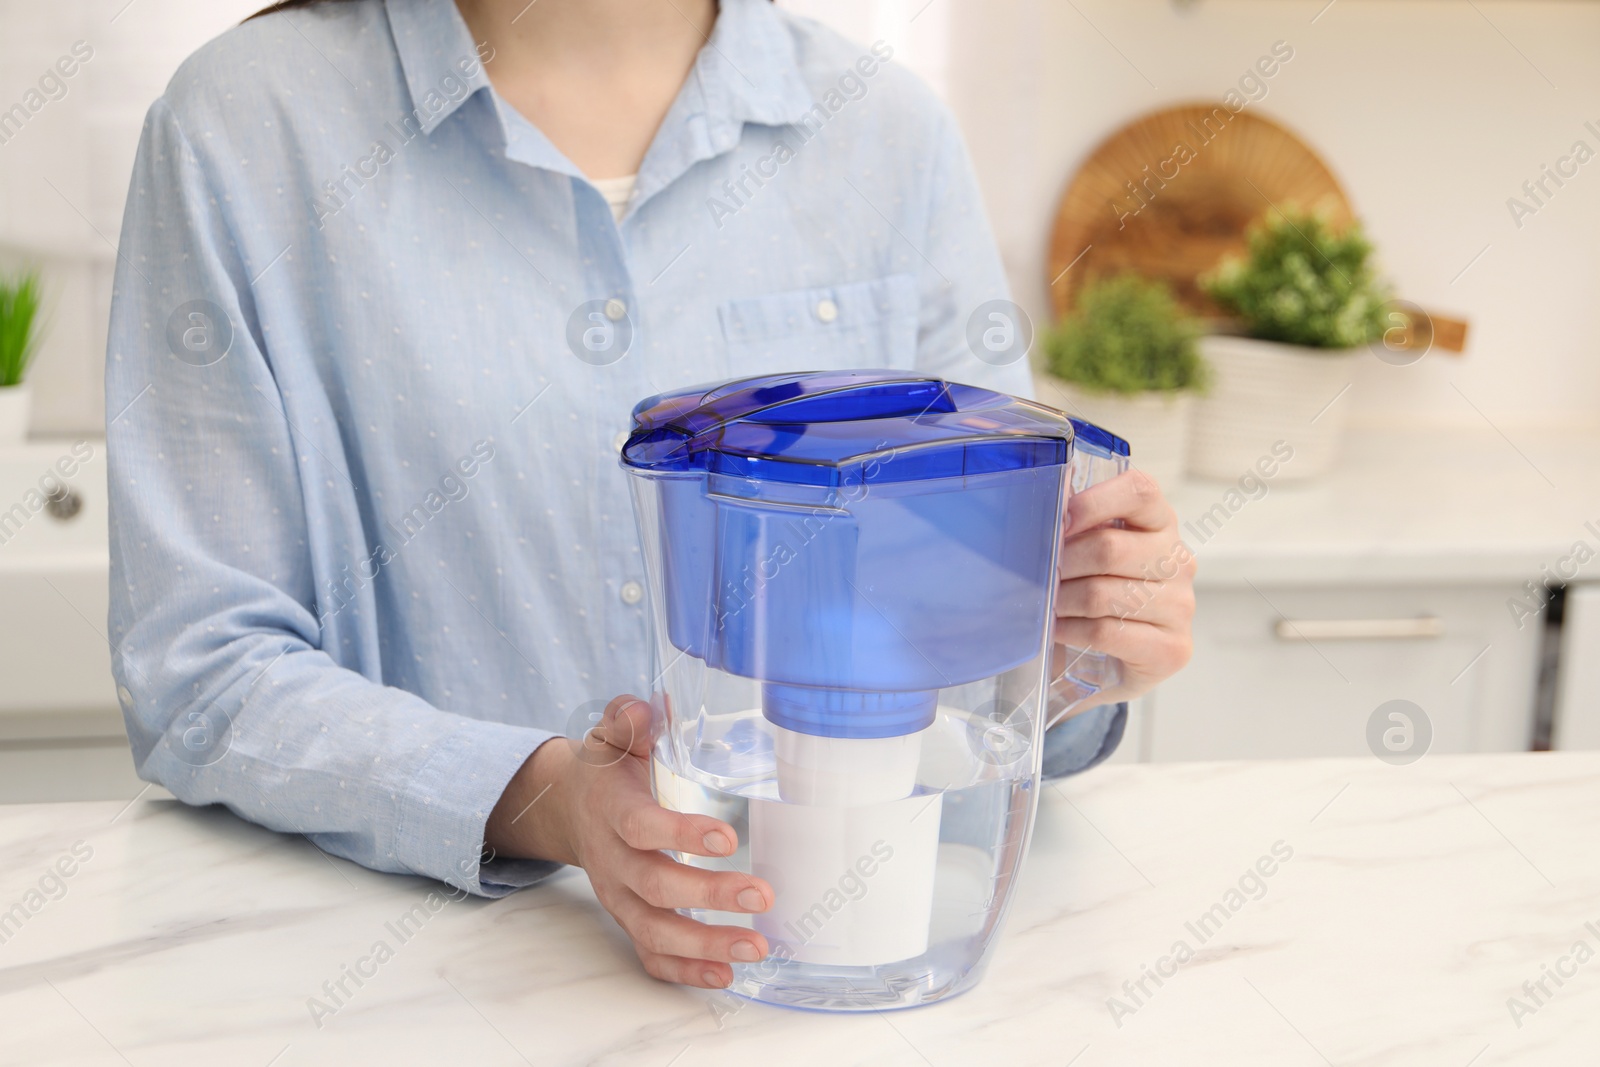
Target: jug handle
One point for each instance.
(1085, 671)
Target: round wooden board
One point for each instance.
(1211, 174)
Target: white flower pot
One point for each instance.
(1155, 425)
(1263, 393)
(16, 403)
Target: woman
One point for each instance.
(392, 276)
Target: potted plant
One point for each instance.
(1126, 359)
(1309, 301)
(19, 340)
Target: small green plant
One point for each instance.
(1127, 335)
(19, 326)
(1303, 283)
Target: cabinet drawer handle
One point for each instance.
(1359, 629)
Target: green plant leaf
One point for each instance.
(1303, 283)
(19, 325)
(1126, 335)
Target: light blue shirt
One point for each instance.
(373, 343)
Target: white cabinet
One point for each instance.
(1257, 688)
(1446, 523)
(60, 755)
(1577, 712)
(61, 735)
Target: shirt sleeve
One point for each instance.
(1090, 737)
(962, 284)
(232, 691)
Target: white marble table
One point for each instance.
(1416, 902)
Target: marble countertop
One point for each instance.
(1405, 908)
(1418, 504)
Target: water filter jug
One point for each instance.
(851, 578)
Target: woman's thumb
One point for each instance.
(628, 724)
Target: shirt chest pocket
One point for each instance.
(870, 324)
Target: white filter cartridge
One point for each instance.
(850, 854)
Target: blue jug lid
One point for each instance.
(851, 427)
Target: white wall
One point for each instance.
(918, 30)
(83, 145)
(1428, 115)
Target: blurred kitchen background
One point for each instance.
(1443, 558)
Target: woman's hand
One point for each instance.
(588, 803)
(1128, 592)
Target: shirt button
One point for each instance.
(827, 310)
(125, 696)
(615, 309)
(631, 592)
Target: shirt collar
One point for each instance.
(441, 62)
(747, 71)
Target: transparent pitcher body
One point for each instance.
(851, 580)
(892, 858)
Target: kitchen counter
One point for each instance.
(1359, 913)
(1418, 504)
(1415, 569)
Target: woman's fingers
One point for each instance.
(628, 724)
(1099, 597)
(1145, 650)
(1126, 582)
(633, 814)
(664, 883)
(666, 933)
(706, 974)
(624, 833)
(1133, 496)
(1139, 554)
